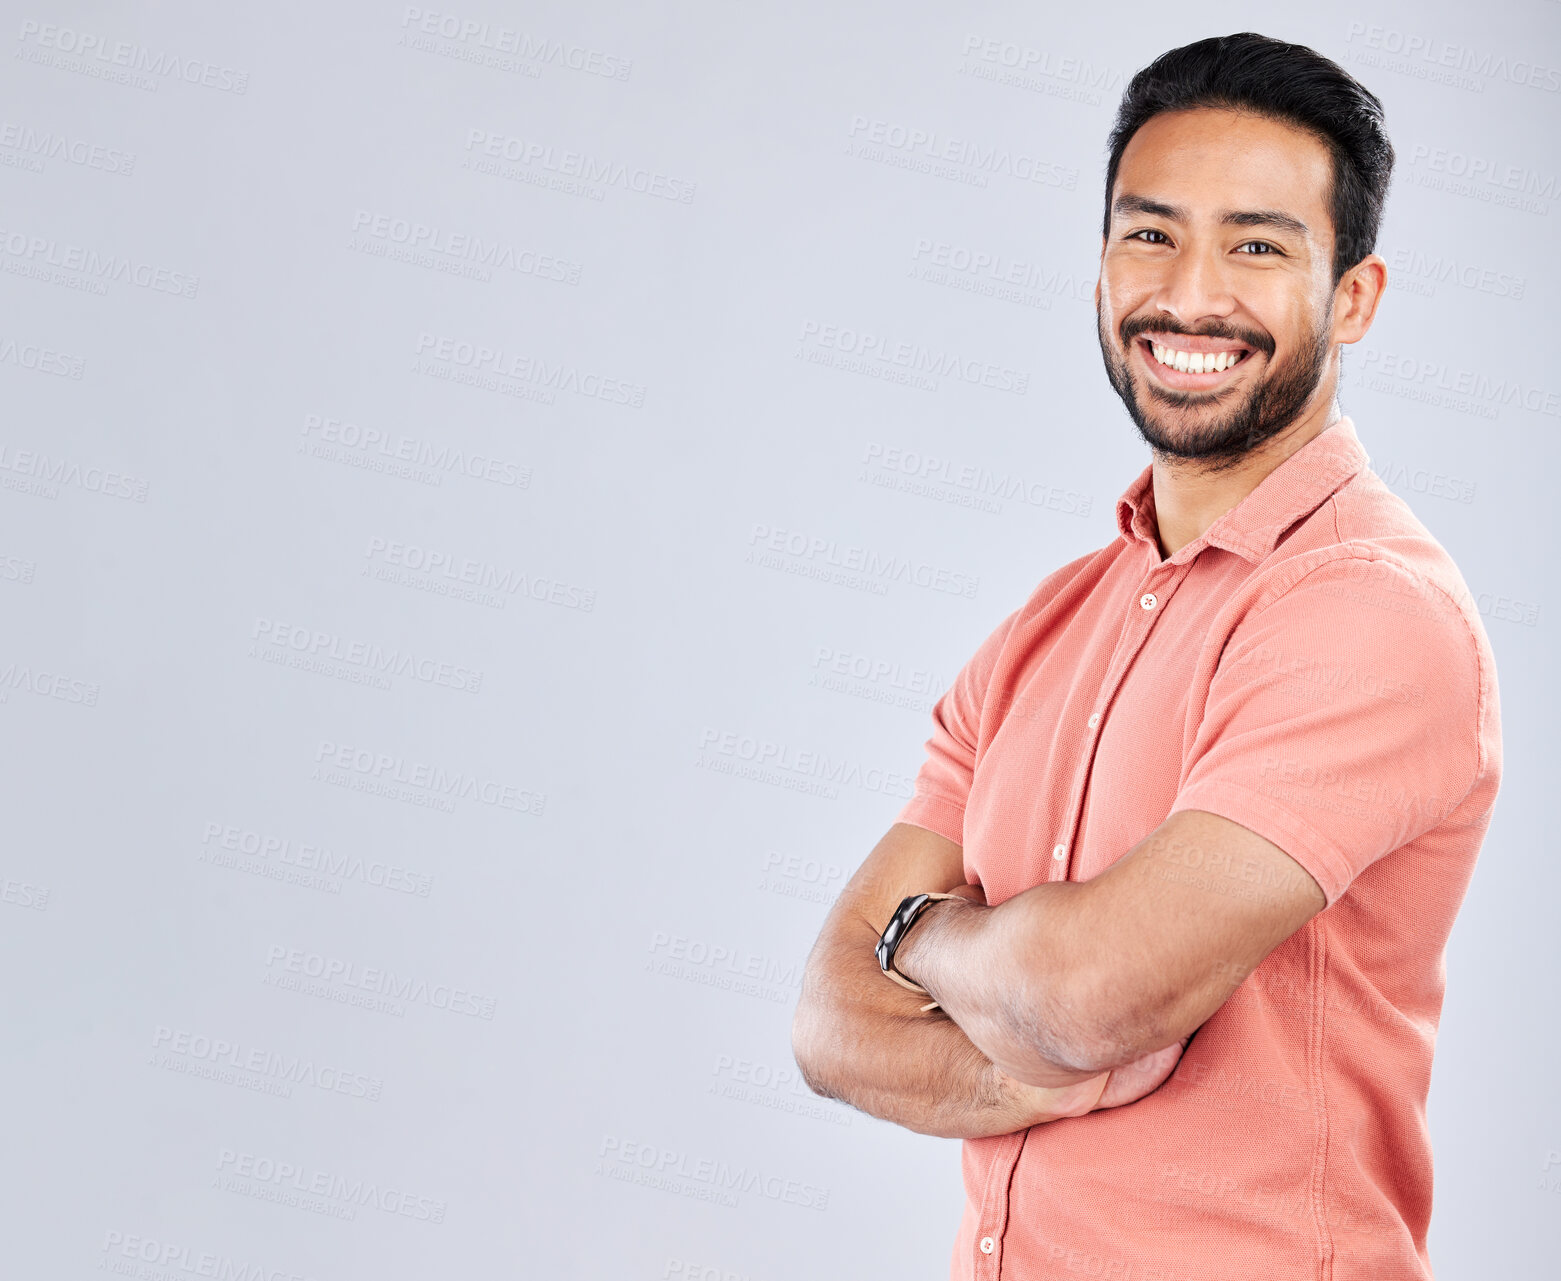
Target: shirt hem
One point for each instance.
(937, 814)
(1261, 814)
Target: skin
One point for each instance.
(1069, 979)
(1125, 1083)
(866, 1041)
(1074, 996)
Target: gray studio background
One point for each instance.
(469, 597)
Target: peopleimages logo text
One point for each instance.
(381, 982)
(398, 769)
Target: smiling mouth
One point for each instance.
(1182, 367)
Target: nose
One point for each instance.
(1194, 287)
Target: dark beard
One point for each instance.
(1275, 402)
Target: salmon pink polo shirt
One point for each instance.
(1313, 668)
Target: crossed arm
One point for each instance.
(1065, 998)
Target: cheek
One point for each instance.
(1125, 287)
(1276, 305)
(1292, 327)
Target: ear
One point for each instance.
(1356, 298)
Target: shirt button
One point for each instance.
(988, 1245)
(1060, 852)
(1094, 720)
(1147, 600)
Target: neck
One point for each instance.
(1190, 496)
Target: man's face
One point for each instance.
(1220, 256)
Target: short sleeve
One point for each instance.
(943, 782)
(1343, 719)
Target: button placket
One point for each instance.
(1134, 636)
(994, 1209)
(1158, 584)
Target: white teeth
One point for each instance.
(1194, 362)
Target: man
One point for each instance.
(1200, 813)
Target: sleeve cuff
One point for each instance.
(937, 814)
(1273, 822)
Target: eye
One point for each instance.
(1262, 245)
(1148, 231)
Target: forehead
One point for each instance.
(1209, 160)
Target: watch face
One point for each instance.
(903, 915)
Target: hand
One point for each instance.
(1037, 1104)
(1132, 1081)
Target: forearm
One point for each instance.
(1010, 977)
(864, 1040)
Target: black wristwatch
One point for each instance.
(894, 933)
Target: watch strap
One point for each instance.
(917, 908)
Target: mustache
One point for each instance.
(1133, 326)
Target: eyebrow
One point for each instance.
(1129, 204)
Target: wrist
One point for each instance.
(913, 956)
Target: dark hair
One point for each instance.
(1288, 82)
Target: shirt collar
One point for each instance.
(1294, 489)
